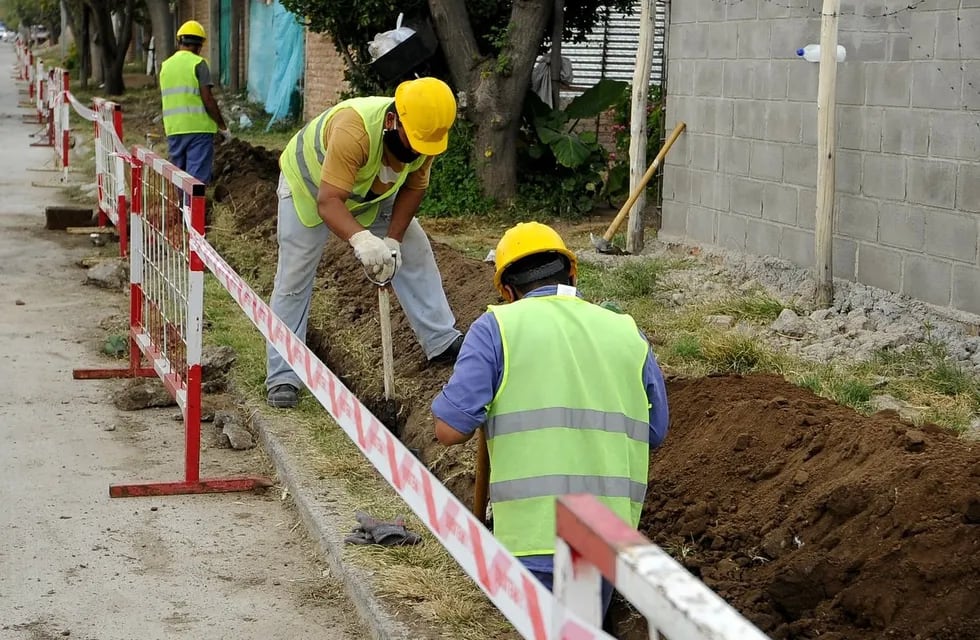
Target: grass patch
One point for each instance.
(757, 307)
(737, 353)
(628, 282)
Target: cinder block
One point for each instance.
(691, 40)
(708, 78)
(927, 279)
(800, 165)
(844, 258)
(713, 189)
(722, 116)
(857, 218)
(683, 12)
(850, 84)
(810, 123)
(784, 121)
(802, 84)
(769, 10)
(966, 288)
(753, 40)
(779, 203)
(936, 84)
(673, 218)
(766, 161)
(710, 11)
(787, 36)
(888, 83)
(971, 85)
(796, 245)
(859, 128)
(681, 74)
(923, 30)
(951, 235)
(701, 224)
(968, 188)
(902, 225)
(806, 216)
(879, 267)
(949, 36)
(932, 182)
(724, 40)
(742, 11)
(770, 79)
(848, 178)
(905, 131)
(762, 238)
(866, 45)
(677, 183)
(731, 231)
(899, 47)
(747, 196)
(750, 119)
(883, 176)
(704, 151)
(738, 78)
(733, 156)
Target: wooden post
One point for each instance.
(826, 154)
(638, 123)
(236, 39)
(556, 34)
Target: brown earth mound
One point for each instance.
(812, 520)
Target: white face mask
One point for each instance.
(387, 175)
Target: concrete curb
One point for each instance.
(326, 525)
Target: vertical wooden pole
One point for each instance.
(826, 154)
(236, 39)
(638, 123)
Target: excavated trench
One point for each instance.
(812, 520)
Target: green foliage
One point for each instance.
(453, 186)
(563, 167)
(37, 12)
(618, 180)
(687, 347)
(759, 307)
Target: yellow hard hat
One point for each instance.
(192, 28)
(427, 109)
(526, 239)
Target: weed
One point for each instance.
(850, 392)
(758, 307)
(737, 353)
(687, 347)
(950, 379)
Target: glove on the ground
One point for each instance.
(374, 253)
(387, 533)
(396, 247)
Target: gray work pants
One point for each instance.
(418, 283)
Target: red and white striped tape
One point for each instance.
(523, 600)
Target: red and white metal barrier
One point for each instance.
(593, 542)
(166, 310)
(110, 168)
(59, 119)
(523, 600)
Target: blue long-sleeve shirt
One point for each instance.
(462, 404)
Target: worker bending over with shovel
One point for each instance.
(360, 170)
(570, 393)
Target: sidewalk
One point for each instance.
(74, 561)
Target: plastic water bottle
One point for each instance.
(811, 53)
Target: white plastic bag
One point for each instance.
(385, 42)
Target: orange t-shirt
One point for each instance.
(348, 148)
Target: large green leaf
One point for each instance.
(547, 134)
(596, 99)
(569, 151)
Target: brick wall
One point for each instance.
(323, 75)
(743, 176)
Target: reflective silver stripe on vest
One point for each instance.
(172, 91)
(304, 171)
(178, 110)
(561, 417)
(557, 485)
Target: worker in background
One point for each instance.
(570, 393)
(359, 170)
(191, 116)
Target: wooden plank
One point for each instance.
(90, 230)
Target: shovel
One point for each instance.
(603, 243)
(387, 413)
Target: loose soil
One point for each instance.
(811, 519)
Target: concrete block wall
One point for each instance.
(743, 176)
(323, 76)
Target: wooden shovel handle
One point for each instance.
(481, 491)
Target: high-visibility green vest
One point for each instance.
(183, 109)
(302, 161)
(571, 416)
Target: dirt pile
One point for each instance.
(810, 519)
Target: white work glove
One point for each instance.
(374, 253)
(396, 248)
(226, 135)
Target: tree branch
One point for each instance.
(528, 21)
(452, 26)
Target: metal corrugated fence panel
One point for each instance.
(610, 51)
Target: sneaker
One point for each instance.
(283, 396)
(448, 356)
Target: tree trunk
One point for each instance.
(164, 38)
(495, 88)
(83, 40)
(113, 50)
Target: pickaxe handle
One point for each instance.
(482, 489)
